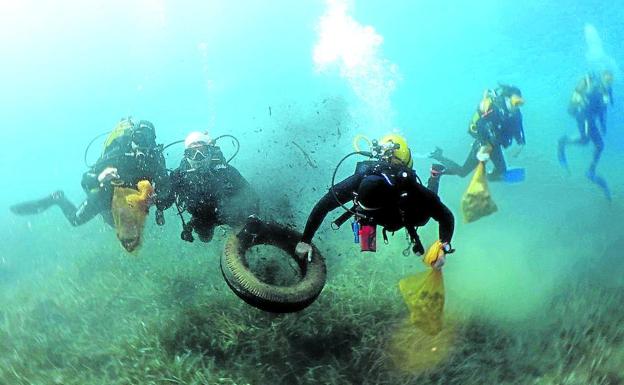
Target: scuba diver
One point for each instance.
(588, 105)
(386, 192)
(210, 189)
(495, 124)
(130, 155)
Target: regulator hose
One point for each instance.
(86, 152)
(333, 180)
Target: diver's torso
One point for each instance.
(131, 169)
(406, 207)
(504, 122)
(202, 191)
(409, 211)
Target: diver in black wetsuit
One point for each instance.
(389, 194)
(210, 189)
(588, 105)
(495, 124)
(130, 155)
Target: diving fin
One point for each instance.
(36, 206)
(561, 155)
(601, 182)
(514, 175)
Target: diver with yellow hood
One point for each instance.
(385, 192)
(130, 156)
(496, 123)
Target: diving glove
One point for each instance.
(107, 175)
(187, 233)
(484, 153)
(303, 250)
(160, 217)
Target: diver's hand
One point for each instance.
(187, 235)
(484, 154)
(107, 175)
(441, 260)
(516, 150)
(160, 217)
(304, 250)
(437, 265)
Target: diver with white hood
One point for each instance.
(209, 188)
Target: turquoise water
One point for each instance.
(315, 73)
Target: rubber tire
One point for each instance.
(264, 296)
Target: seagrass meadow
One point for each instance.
(533, 294)
(170, 319)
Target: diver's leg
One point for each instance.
(453, 168)
(582, 124)
(75, 216)
(87, 210)
(204, 228)
(596, 138)
(36, 206)
(500, 166)
(107, 216)
(602, 118)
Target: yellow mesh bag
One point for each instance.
(477, 201)
(413, 351)
(129, 209)
(423, 294)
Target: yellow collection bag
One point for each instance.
(477, 201)
(423, 294)
(129, 209)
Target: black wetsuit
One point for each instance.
(132, 167)
(409, 205)
(496, 128)
(135, 157)
(214, 195)
(150, 166)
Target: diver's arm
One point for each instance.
(167, 197)
(242, 187)
(441, 214)
(519, 129)
(90, 181)
(233, 176)
(344, 192)
(162, 186)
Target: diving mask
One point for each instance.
(516, 100)
(197, 153)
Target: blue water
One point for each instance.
(318, 73)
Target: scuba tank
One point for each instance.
(126, 139)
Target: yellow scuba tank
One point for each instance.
(484, 108)
(118, 131)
